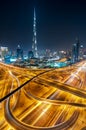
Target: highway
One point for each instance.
(43, 99)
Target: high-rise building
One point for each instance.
(30, 54)
(81, 51)
(3, 51)
(19, 53)
(75, 51)
(34, 44)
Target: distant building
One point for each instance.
(62, 54)
(30, 54)
(75, 51)
(84, 54)
(48, 53)
(3, 51)
(81, 51)
(68, 53)
(19, 53)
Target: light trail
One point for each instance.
(58, 87)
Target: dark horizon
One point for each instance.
(58, 23)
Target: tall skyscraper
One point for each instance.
(81, 51)
(75, 51)
(34, 44)
(19, 53)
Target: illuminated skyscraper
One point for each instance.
(34, 44)
(19, 53)
(75, 51)
(3, 51)
(81, 51)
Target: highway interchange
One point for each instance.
(43, 99)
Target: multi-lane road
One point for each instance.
(43, 99)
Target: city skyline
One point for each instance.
(42, 65)
(58, 23)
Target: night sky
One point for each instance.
(59, 22)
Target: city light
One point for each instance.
(42, 65)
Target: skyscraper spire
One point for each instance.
(34, 44)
